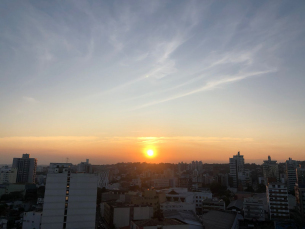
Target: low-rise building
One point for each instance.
(182, 195)
(254, 209)
(212, 204)
(31, 220)
(188, 217)
(160, 183)
(220, 220)
(119, 214)
(236, 205)
(150, 197)
(180, 206)
(8, 175)
(3, 223)
(159, 224)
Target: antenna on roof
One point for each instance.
(67, 160)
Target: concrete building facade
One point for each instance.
(236, 166)
(254, 209)
(213, 204)
(70, 200)
(277, 198)
(150, 197)
(300, 191)
(119, 215)
(8, 175)
(26, 169)
(291, 166)
(270, 170)
(31, 220)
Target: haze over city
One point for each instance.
(189, 80)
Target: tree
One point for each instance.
(158, 214)
(261, 188)
(249, 189)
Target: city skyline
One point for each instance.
(189, 80)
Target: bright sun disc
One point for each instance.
(150, 152)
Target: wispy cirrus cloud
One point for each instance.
(208, 86)
(30, 100)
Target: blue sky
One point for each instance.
(162, 69)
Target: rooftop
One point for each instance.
(218, 220)
(155, 222)
(236, 203)
(185, 216)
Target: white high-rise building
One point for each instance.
(70, 199)
(277, 198)
(236, 166)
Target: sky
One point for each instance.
(191, 80)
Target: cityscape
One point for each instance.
(135, 195)
(152, 114)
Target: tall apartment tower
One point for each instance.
(271, 170)
(236, 166)
(70, 199)
(277, 198)
(300, 191)
(26, 169)
(291, 166)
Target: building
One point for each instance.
(84, 167)
(236, 166)
(236, 205)
(244, 178)
(3, 223)
(277, 198)
(159, 224)
(70, 199)
(103, 179)
(182, 167)
(8, 175)
(270, 170)
(185, 182)
(150, 197)
(119, 215)
(300, 191)
(181, 198)
(26, 169)
(180, 206)
(254, 209)
(59, 167)
(213, 204)
(291, 166)
(31, 220)
(188, 217)
(21, 188)
(220, 220)
(160, 183)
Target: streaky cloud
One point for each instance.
(209, 86)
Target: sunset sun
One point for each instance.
(150, 153)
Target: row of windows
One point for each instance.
(67, 199)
